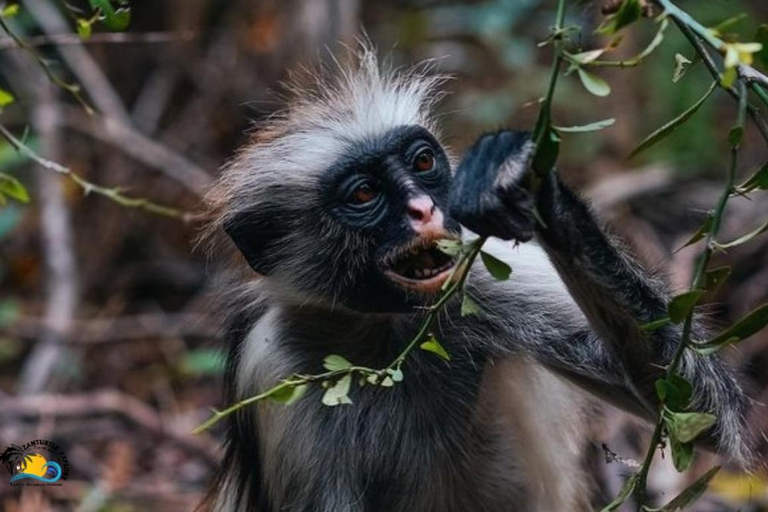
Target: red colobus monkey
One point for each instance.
(337, 204)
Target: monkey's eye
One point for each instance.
(424, 161)
(363, 194)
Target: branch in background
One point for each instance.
(69, 39)
(140, 147)
(62, 295)
(121, 329)
(109, 402)
(89, 187)
(695, 38)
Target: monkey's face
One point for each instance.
(362, 232)
(389, 196)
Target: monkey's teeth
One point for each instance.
(418, 273)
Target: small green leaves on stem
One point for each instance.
(758, 181)
(682, 65)
(745, 238)
(6, 98)
(11, 187)
(113, 18)
(689, 495)
(289, 394)
(675, 392)
(682, 454)
(434, 346)
(744, 328)
(334, 363)
(593, 83)
(668, 128)
(761, 36)
(681, 305)
(338, 393)
(9, 11)
(656, 324)
(591, 127)
(497, 268)
(687, 426)
(468, 306)
(624, 494)
(629, 12)
(700, 233)
(547, 151)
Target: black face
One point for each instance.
(364, 236)
(375, 192)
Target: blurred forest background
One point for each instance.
(108, 338)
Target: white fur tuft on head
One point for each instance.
(325, 112)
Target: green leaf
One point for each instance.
(656, 324)
(762, 37)
(682, 65)
(396, 374)
(114, 19)
(700, 233)
(729, 77)
(735, 135)
(288, 394)
(12, 187)
(629, 12)
(675, 392)
(626, 492)
(201, 362)
(434, 346)
(759, 180)
(714, 278)
(682, 304)
(744, 328)
(334, 363)
(746, 238)
(387, 382)
(6, 98)
(594, 83)
(687, 426)
(592, 127)
(9, 11)
(450, 247)
(672, 125)
(84, 28)
(338, 393)
(497, 268)
(588, 56)
(469, 306)
(690, 494)
(546, 154)
(682, 454)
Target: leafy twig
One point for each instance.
(88, 187)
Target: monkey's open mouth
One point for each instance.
(422, 267)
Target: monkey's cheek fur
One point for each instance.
(429, 285)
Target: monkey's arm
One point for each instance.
(612, 355)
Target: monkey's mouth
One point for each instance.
(421, 267)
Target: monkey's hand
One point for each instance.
(489, 194)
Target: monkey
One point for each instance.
(336, 205)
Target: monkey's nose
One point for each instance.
(420, 209)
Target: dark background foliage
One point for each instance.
(108, 336)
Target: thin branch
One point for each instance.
(754, 113)
(89, 187)
(108, 402)
(69, 39)
(140, 147)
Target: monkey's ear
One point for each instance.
(256, 236)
